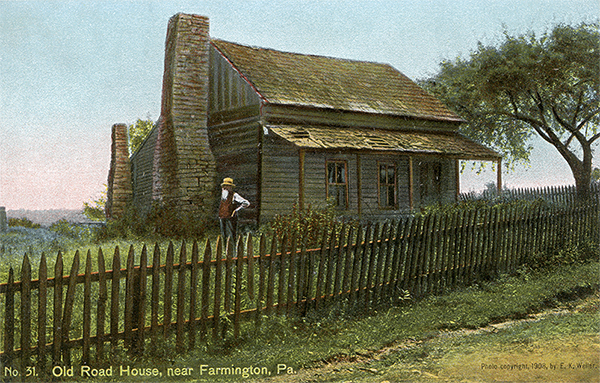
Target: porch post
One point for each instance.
(499, 176)
(301, 179)
(410, 183)
(457, 175)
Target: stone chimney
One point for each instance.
(184, 166)
(120, 188)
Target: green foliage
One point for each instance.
(23, 222)
(138, 132)
(309, 223)
(549, 86)
(161, 222)
(95, 210)
(574, 252)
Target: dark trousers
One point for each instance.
(228, 228)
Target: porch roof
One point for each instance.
(449, 144)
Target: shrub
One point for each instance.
(23, 222)
(309, 223)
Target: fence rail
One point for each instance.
(193, 293)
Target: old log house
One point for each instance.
(294, 128)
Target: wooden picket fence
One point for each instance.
(191, 294)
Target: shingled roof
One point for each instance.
(332, 83)
(450, 144)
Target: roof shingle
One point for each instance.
(416, 142)
(325, 82)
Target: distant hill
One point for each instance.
(48, 217)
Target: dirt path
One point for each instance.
(576, 359)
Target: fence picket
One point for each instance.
(128, 322)
(217, 295)
(281, 275)
(101, 312)
(41, 321)
(238, 288)
(321, 270)
(291, 276)
(25, 312)
(250, 257)
(339, 262)
(371, 270)
(381, 246)
(179, 335)
(155, 291)
(206, 285)
(193, 296)
(9, 321)
(87, 308)
(139, 307)
(271, 279)
(57, 319)
(114, 300)
(68, 313)
(262, 263)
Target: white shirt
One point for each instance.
(237, 198)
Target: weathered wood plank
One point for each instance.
(114, 301)
(206, 285)
(128, 322)
(57, 307)
(139, 312)
(101, 311)
(155, 290)
(168, 290)
(239, 269)
(68, 309)
(42, 312)
(193, 295)
(25, 312)
(217, 295)
(181, 299)
(9, 321)
(87, 309)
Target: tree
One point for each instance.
(138, 133)
(94, 210)
(527, 85)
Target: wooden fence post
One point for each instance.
(101, 312)
(179, 340)
(42, 301)
(139, 302)
(155, 291)
(68, 313)
(25, 312)
(204, 309)
(128, 322)
(168, 293)
(217, 296)
(114, 301)
(9, 319)
(193, 296)
(57, 325)
(87, 308)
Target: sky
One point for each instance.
(69, 70)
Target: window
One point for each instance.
(387, 185)
(337, 183)
(430, 180)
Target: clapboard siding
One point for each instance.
(275, 114)
(279, 176)
(228, 90)
(142, 165)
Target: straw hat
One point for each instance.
(228, 182)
